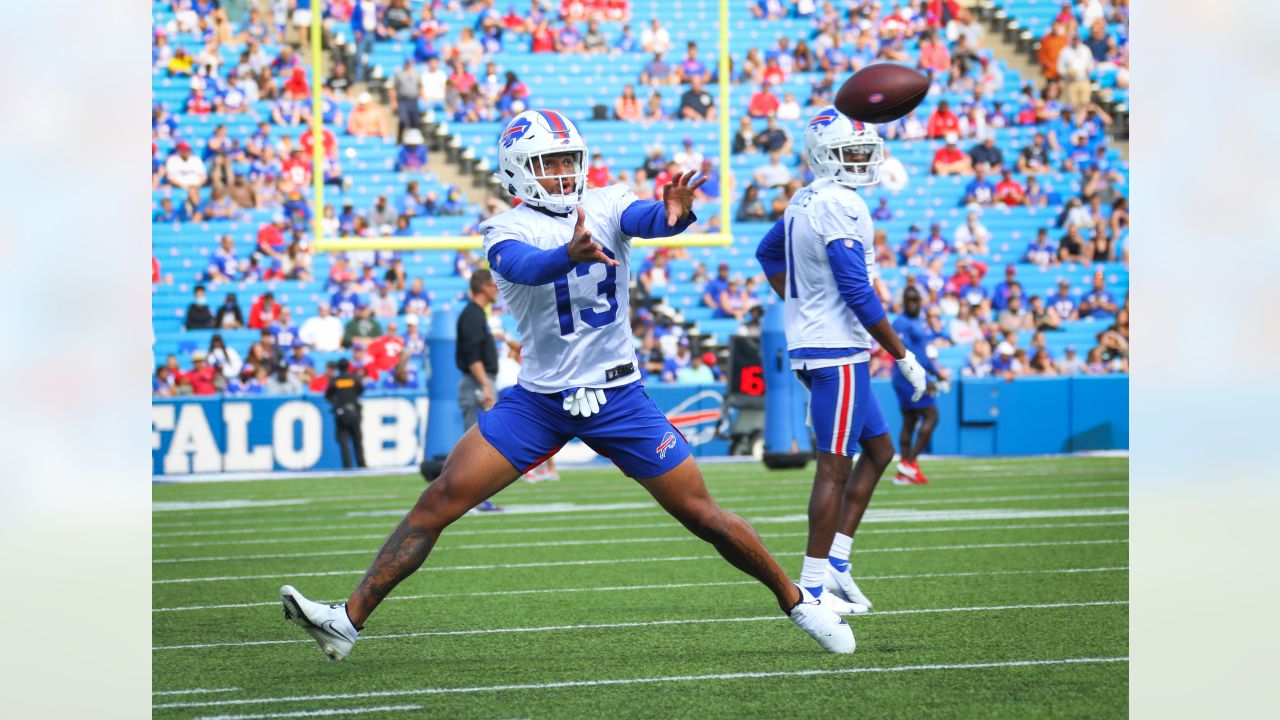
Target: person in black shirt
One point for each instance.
(343, 395)
(696, 103)
(987, 152)
(198, 315)
(229, 316)
(477, 356)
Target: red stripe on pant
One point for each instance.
(842, 413)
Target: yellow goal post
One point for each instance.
(466, 242)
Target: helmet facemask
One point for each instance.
(571, 182)
(854, 161)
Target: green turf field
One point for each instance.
(1000, 590)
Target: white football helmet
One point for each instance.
(845, 150)
(526, 139)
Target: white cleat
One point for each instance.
(841, 585)
(328, 624)
(823, 625)
(838, 605)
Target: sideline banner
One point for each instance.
(296, 432)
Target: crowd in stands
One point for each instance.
(947, 43)
(376, 313)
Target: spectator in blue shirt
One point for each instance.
(346, 301)
(691, 66)
(715, 287)
(1041, 251)
(1099, 303)
(980, 190)
(1000, 294)
(882, 213)
(935, 244)
(413, 153)
(416, 301)
(403, 378)
(627, 42)
(656, 72)
(1062, 303)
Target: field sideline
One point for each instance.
(1001, 590)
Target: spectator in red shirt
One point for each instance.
(934, 55)
(597, 172)
(330, 144)
(384, 352)
(264, 311)
(271, 238)
(320, 382)
(295, 88)
(201, 375)
(1009, 191)
(951, 160)
(197, 104)
(542, 38)
(942, 122)
(764, 103)
(773, 72)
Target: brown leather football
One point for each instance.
(881, 92)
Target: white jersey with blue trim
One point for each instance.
(819, 323)
(575, 331)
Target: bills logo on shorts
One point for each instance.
(668, 442)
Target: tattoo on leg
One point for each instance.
(738, 543)
(402, 554)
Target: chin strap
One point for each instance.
(545, 211)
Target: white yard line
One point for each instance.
(653, 510)
(313, 713)
(650, 680)
(292, 507)
(559, 563)
(573, 492)
(195, 691)
(685, 537)
(647, 623)
(662, 586)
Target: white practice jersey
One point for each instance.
(576, 329)
(818, 319)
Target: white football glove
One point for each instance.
(914, 373)
(584, 402)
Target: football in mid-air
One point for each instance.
(881, 93)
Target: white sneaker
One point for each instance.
(838, 605)
(328, 624)
(905, 469)
(828, 628)
(841, 585)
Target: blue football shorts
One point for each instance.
(529, 427)
(842, 407)
(903, 390)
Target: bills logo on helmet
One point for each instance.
(515, 131)
(668, 442)
(559, 128)
(823, 119)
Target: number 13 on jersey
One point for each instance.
(608, 288)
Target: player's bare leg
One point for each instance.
(906, 438)
(928, 422)
(682, 493)
(877, 453)
(829, 491)
(473, 472)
